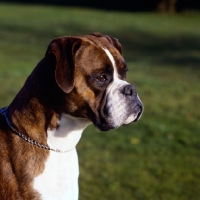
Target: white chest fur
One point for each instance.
(59, 180)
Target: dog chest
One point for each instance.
(59, 180)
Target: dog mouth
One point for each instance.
(139, 113)
(126, 115)
(138, 117)
(135, 116)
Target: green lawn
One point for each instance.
(157, 158)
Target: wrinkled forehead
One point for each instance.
(99, 56)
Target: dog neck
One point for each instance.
(35, 111)
(67, 134)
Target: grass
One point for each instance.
(154, 159)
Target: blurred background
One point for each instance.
(157, 158)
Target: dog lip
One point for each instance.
(138, 113)
(104, 127)
(138, 117)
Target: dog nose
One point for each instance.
(129, 90)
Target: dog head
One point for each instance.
(91, 72)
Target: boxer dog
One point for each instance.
(81, 80)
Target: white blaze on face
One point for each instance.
(117, 104)
(116, 80)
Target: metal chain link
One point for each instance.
(3, 111)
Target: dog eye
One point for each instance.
(102, 78)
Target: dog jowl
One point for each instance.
(81, 80)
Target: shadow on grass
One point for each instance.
(178, 50)
(173, 51)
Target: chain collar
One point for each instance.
(3, 111)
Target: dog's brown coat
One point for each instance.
(55, 86)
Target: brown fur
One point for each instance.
(59, 83)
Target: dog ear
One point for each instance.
(64, 49)
(115, 43)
